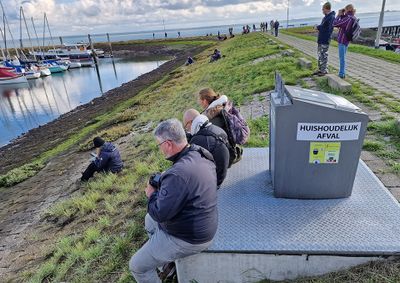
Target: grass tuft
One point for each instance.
(20, 174)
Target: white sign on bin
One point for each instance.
(328, 131)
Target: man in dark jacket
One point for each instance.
(211, 137)
(276, 27)
(107, 159)
(182, 214)
(325, 30)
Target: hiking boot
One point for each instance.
(316, 73)
(168, 271)
(321, 74)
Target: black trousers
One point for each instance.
(89, 172)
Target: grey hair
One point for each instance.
(172, 130)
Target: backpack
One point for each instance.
(354, 31)
(238, 130)
(235, 151)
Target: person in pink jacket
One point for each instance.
(344, 21)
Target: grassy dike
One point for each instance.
(307, 33)
(106, 217)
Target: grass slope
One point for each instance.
(107, 215)
(110, 210)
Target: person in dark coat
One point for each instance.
(276, 27)
(325, 30)
(182, 216)
(211, 137)
(107, 159)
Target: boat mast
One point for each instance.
(1, 49)
(44, 31)
(9, 30)
(51, 37)
(20, 28)
(20, 33)
(37, 37)
(4, 34)
(27, 31)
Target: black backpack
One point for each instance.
(235, 151)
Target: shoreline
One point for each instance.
(43, 138)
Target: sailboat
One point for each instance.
(10, 77)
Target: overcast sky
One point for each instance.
(71, 17)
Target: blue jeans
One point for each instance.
(342, 60)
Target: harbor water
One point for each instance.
(27, 106)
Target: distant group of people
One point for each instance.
(349, 29)
(246, 29)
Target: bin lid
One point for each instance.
(321, 98)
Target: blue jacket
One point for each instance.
(185, 206)
(109, 158)
(325, 29)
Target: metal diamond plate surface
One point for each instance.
(252, 220)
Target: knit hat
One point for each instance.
(98, 142)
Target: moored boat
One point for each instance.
(57, 68)
(9, 77)
(44, 71)
(31, 75)
(85, 62)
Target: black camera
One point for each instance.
(154, 180)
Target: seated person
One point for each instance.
(182, 215)
(189, 61)
(216, 55)
(210, 137)
(107, 159)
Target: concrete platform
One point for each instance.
(260, 236)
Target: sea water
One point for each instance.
(26, 106)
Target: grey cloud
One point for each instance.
(92, 11)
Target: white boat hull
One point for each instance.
(88, 63)
(45, 72)
(74, 65)
(16, 80)
(32, 75)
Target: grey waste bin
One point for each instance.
(315, 143)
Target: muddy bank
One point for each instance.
(23, 149)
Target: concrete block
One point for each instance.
(251, 268)
(304, 63)
(288, 52)
(337, 83)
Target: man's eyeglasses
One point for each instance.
(159, 144)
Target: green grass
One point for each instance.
(109, 210)
(304, 33)
(372, 145)
(21, 173)
(259, 132)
